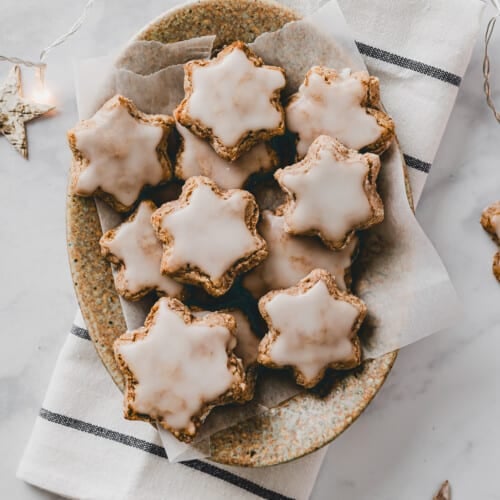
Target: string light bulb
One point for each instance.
(41, 93)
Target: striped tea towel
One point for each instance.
(81, 447)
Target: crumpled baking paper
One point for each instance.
(398, 273)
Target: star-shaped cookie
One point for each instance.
(209, 235)
(196, 157)
(118, 152)
(177, 368)
(134, 248)
(233, 101)
(490, 220)
(321, 333)
(15, 111)
(291, 258)
(343, 105)
(331, 193)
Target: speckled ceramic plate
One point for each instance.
(298, 426)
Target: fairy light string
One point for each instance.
(40, 65)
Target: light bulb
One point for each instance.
(42, 95)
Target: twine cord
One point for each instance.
(490, 28)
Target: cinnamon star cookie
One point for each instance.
(331, 193)
(118, 152)
(196, 157)
(209, 235)
(342, 105)
(490, 220)
(134, 248)
(312, 326)
(233, 101)
(291, 258)
(177, 368)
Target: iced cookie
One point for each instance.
(177, 368)
(247, 347)
(134, 248)
(490, 220)
(342, 105)
(312, 326)
(291, 258)
(196, 157)
(233, 101)
(331, 193)
(118, 152)
(209, 235)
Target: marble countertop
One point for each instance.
(436, 417)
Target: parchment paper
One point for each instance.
(398, 274)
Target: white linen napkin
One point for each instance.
(81, 447)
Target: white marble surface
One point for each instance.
(436, 417)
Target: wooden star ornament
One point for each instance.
(15, 111)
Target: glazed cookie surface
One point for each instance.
(196, 157)
(490, 220)
(331, 193)
(247, 346)
(291, 258)
(342, 105)
(233, 101)
(209, 235)
(177, 367)
(321, 333)
(118, 152)
(134, 248)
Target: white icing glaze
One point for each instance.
(136, 245)
(495, 221)
(121, 152)
(329, 192)
(318, 333)
(232, 96)
(210, 232)
(247, 346)
(179, 367)
(198, 158)
(292, 258)
(331, 108)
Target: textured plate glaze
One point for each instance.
(298, 426)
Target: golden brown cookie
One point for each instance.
(209, 235)
(291, 258)
(490, 220)
(312, 326)
(233, 101)
(118, 152)
(196, 157)
(343, 105)
(135, 249)
(331, 193)
(177, 368)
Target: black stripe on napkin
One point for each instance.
(404, 62)
(417, 164)
(80, 332)
(157, 450)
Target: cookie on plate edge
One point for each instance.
(178, 368)
(321, 333)
(118, 152)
